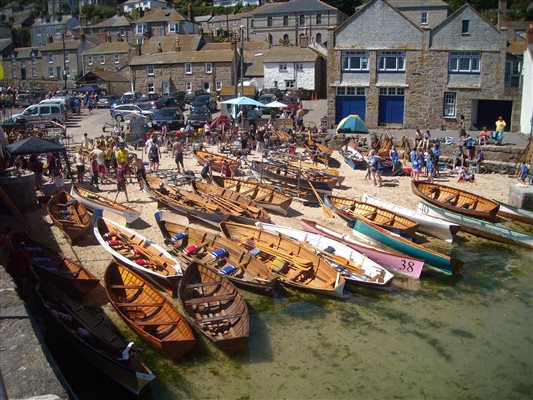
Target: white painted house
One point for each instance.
(294, 68)
(129, 5)
(526, 114)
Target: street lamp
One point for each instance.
(64, 60)
(242, 59)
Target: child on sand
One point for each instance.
(523, 171)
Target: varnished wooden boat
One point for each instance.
(293, 177)
(281, 135)
(202, 157)
(92, 337)
(350, 210)
(92, 201)
(309, 170)
(441, 262)
(435, 227)
(241, 208)
(356, 268)
(295, 161)
(388, 258)
(479, 227)
(70, 276)
(150, 314)
(264, 195)
(294, 264)
(323, 151)
(456, 200)
(137, 252)
(215, 307)
(186, 203)
(352, 157)
(69, 215)
(217, 252)
(515, 213)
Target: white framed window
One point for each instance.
(212, 24)
(140, 40)
(34, 72)
(350, 91)
(269, 21)
(38, 31)
(465, 27)
(218, 85)
(208, 68)
(424, 17)
(51, 72)
(289, 83)
(102, 59)
(151, 88)
(299, 67)
(513, 70)
(172, 26)
(207, 86)
(13, 73)
(67, 57)
(23, 63)
(465, 62)
(90, 60)
(188, 86)
(391, 61)
(450, 104)
(58, 30)
(39, 43)
(188, 68)
(140, 28)
(67, 70)
(282, 67)
(302, 20)
(355, 60)
(117, 58)
(13, 60)
(391, 91)
(122, 31)
(285, 20)
(150, 70)
(319, 38)
(319, 19)
(235, 23)
(50, 58)
(33, 58)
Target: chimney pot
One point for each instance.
(529, 35)
(138, 49)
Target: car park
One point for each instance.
(205, 100)
(179, 97)
(198, 119)
(191, 95)
(106, 101)
(171, 116)
(122, 111)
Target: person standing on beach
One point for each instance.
(121, 183)
(500, 127)
(177, 153)
(94, 172)
(80, 164)
(415, 163)
(140, 172)
(207, 172)
(154, 156)
(523, 170)
(461, 128)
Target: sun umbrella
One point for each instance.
(276, 104)
(243, 101)
(352, 124)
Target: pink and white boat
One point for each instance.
(400, 263)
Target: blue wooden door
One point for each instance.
(391, 109)
(347, 105)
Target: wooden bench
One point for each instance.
(220, 318)
(199, 285)
(211, 299)
(127, 286)
(140, 304)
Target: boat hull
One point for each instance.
(479, 227)
(73, 229)
(430, 226)
(515, 213)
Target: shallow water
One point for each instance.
(467, 337)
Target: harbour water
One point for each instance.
(441, 338)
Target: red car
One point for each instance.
(292, 101)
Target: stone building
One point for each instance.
(223, 25)
(130, 5)
(526, 115)
(394, 73)
(162, 22)
(286, 22)
(62, 61)
(108, 56)
(184, 70)
(423, 13)
(118, 27)
(23, 64)
(49, 28)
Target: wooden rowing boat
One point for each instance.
(293, 263)
(323, 152)
(215, 307)
(241, 207)
(93, 201)
(389, 258)
(438, 261)
(308, 170)
(296, 162)
(350, 210)
(137, 252)
(69, 215)
(478, 227)
(514, 213)
(456, 200)
(435, 227)
(352, 157)
(281, 135)
(150, 314)
(263, 195)
(70, 276)
(293, 177)
(186, 203)
(202, 157)
(217, 252)
(357, 269)
(92, 337)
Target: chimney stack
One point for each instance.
(190, 15)
(178, 44)
(502, 12)
(304, 41)
(529, 35)
(159, 48)
(138, 51)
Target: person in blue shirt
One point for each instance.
(430, 167)
(523, 171)
(393, 154)
(415, 162)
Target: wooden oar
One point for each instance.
(325, 208)
(338, 260)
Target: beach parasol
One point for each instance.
(352, 124)
(243, 101)
(276, 104)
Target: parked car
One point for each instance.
(122, 111)
(166, 101)
(42, 113)
(172, 116)
(191, 95)
(276, 92)
(26, 99)
(205, 100)
(199, 119)
(148, 97)
(267, 98)
(179, 97)
(200, 109)
(292, 101)
(130, 97)
(106, 101)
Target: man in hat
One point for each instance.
(500, 127)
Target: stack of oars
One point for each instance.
(298, 262)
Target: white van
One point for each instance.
(43, 113)
(130, 97)
(60, 100)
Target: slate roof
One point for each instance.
(224, 18)
(58, 45)
(108, 48)
(202, 18)
(292, 6)
(290, 54)
(160, 15)
(253, 62)
(516, 47)
(52, 21)
(401, 4)
(248, 46)
(25, 52)
(168, 43)
(182, 57)
(110, 76)
(115, 21)
(4, 43)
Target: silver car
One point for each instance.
(122, 111)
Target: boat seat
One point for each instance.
(449, 199)
(203, 284)
(220, 318)
(149, 323)
(210, 299)
(466, 206)
(140, 304)
(127, 286)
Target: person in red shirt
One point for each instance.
(226, 170)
